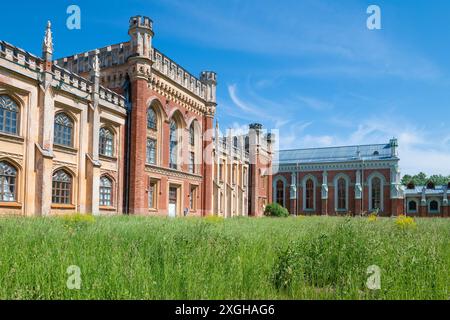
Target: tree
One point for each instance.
(422, 179)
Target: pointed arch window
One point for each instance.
(9, 113)
(173, 148)
(309, 198)
(342, 194)
(151, 119)
(376, 193)
(8, 180)
(106, 191)
(412, 206)
(106, 142)
(63, 130)
(434, 206)
(280, 193)
(62, 187)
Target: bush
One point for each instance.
(275, 210)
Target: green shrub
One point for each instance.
(275, 210)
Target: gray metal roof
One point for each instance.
(418, 190)
(336, 154)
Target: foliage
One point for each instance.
(422, 179)
(130, 257)
(275, 210)
(405, 222)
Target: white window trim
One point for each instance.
(439, 206)
(315, 183)
(336, 195)
(417, 206)
(274, 187)
(383, 183)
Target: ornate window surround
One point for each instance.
(315, 184)
(274, 188)
(373, 175)
(336, 191)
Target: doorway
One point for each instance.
(173, 202)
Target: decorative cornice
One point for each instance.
(172, 173)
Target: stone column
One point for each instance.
(44, 148)
(293, 194)
(324, 209)
(208, 164)
(358, 193)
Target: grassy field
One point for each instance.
(156, 258)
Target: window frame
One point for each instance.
(58, 130)
(6, 113)
(68, 196)
(103, 188)
(4, 177)
(103, 142)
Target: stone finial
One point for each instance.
(47, 46)
(96, 64)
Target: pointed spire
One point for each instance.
(47, 46)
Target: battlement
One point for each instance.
(21, 57)
(208, 76)
(141, 22)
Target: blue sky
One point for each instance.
(309, 68)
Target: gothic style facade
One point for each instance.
(340, 180)
(120, 129)
(242, 172)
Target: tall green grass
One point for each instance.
(156, 258)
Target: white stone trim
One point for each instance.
(383, 183)
(408, 211)
(274, 187)
(347, 184)
(315, 182)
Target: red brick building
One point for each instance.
(169, 151)
(340, 180)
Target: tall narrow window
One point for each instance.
(106, 142)
(280, 193)
(152, 196)
(106, 191)
(193, 198)
(412, 206)
(173, 145)
(8, 177)
(342, 194)
(192, 135)
(192, 162)
(151, 151)
(235, 142)
(151, 119)
(62, 187)
(9, 112)
(309, 195)
(63, 130)
(376, 193)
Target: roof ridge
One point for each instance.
(336, 147)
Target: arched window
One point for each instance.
(309, 199)
(247, 144)
(106, 142)
(151, 119)
(280, 193)
(341, 194)
(63, 130)
(173, 145)
(106, 194)
(151, 151)
(376, 194)
(62, 187)
(434, 206)
(9, 112)
(192, 135)
(412, 206)
(8, 180)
